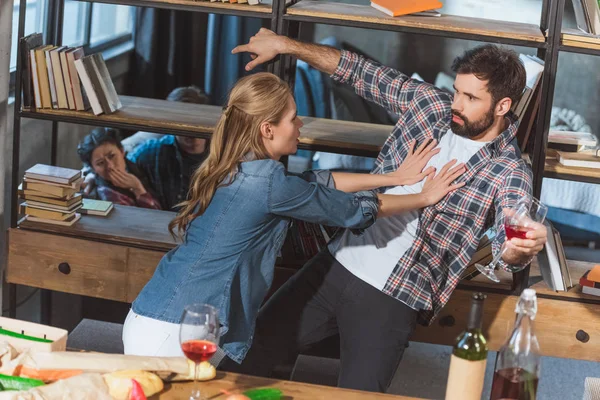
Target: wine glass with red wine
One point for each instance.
(518, 220)
(199, 336)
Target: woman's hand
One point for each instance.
(438, 186)
(125, 180)
(411, 169)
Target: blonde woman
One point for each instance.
(237, 214)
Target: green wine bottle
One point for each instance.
(469, 356)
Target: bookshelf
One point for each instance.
(365, 16)
(317, 134)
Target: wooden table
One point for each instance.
(229, 383)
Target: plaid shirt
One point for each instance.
(449, 231)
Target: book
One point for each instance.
(31, 198)
(574, 138)
(52, 207)
(96, 207)
(64, 66)
(42, 75)
(590, 290)
(586, 281)
(49, 67)
(76, 184)
(30, 192)
(593, 12)
(594, 274)
(582, 159)
(106, 85)
(72, 55)
(562, 259)
(581, 16)
(51, 173)
(67, 222)
(59, 82)
(549, 261)
(396, 8)
(46, 214)
(88, 87)
(34, 80)
(28, 43)
(55, 191)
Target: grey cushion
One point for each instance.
(100, 336)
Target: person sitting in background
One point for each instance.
(167, 160)
(116, 179)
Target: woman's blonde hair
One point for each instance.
(257, 98)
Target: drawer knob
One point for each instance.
(65, 268)
(582, 336)
(448, 321)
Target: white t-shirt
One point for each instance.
(373, 255)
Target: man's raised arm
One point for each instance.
(372, 81)
(266, 45)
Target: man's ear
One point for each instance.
(503, 106)
(265, 130)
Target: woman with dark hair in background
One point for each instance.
(116, 178)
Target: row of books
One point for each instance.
(587, 15)
(51, 195)
(53, 77)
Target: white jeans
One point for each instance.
(144, 336)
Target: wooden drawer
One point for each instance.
(67, 265)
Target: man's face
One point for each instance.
(473, 109)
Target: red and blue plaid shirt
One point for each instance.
(449, 231)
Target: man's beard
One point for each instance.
(472, 129)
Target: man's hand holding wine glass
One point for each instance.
(520, 250)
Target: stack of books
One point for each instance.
(51, 194)
(590, 281)
(52, 78)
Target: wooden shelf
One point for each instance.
(199, 120)
(556, 170)
(364, 16)
(257, 11)
(575, 41)
(130, 226)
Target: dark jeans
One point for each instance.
(319, 301)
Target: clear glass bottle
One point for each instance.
(469, 357)
(518, 364)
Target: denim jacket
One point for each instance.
(228, 256)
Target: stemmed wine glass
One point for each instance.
(517, 222)
(199, 337)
